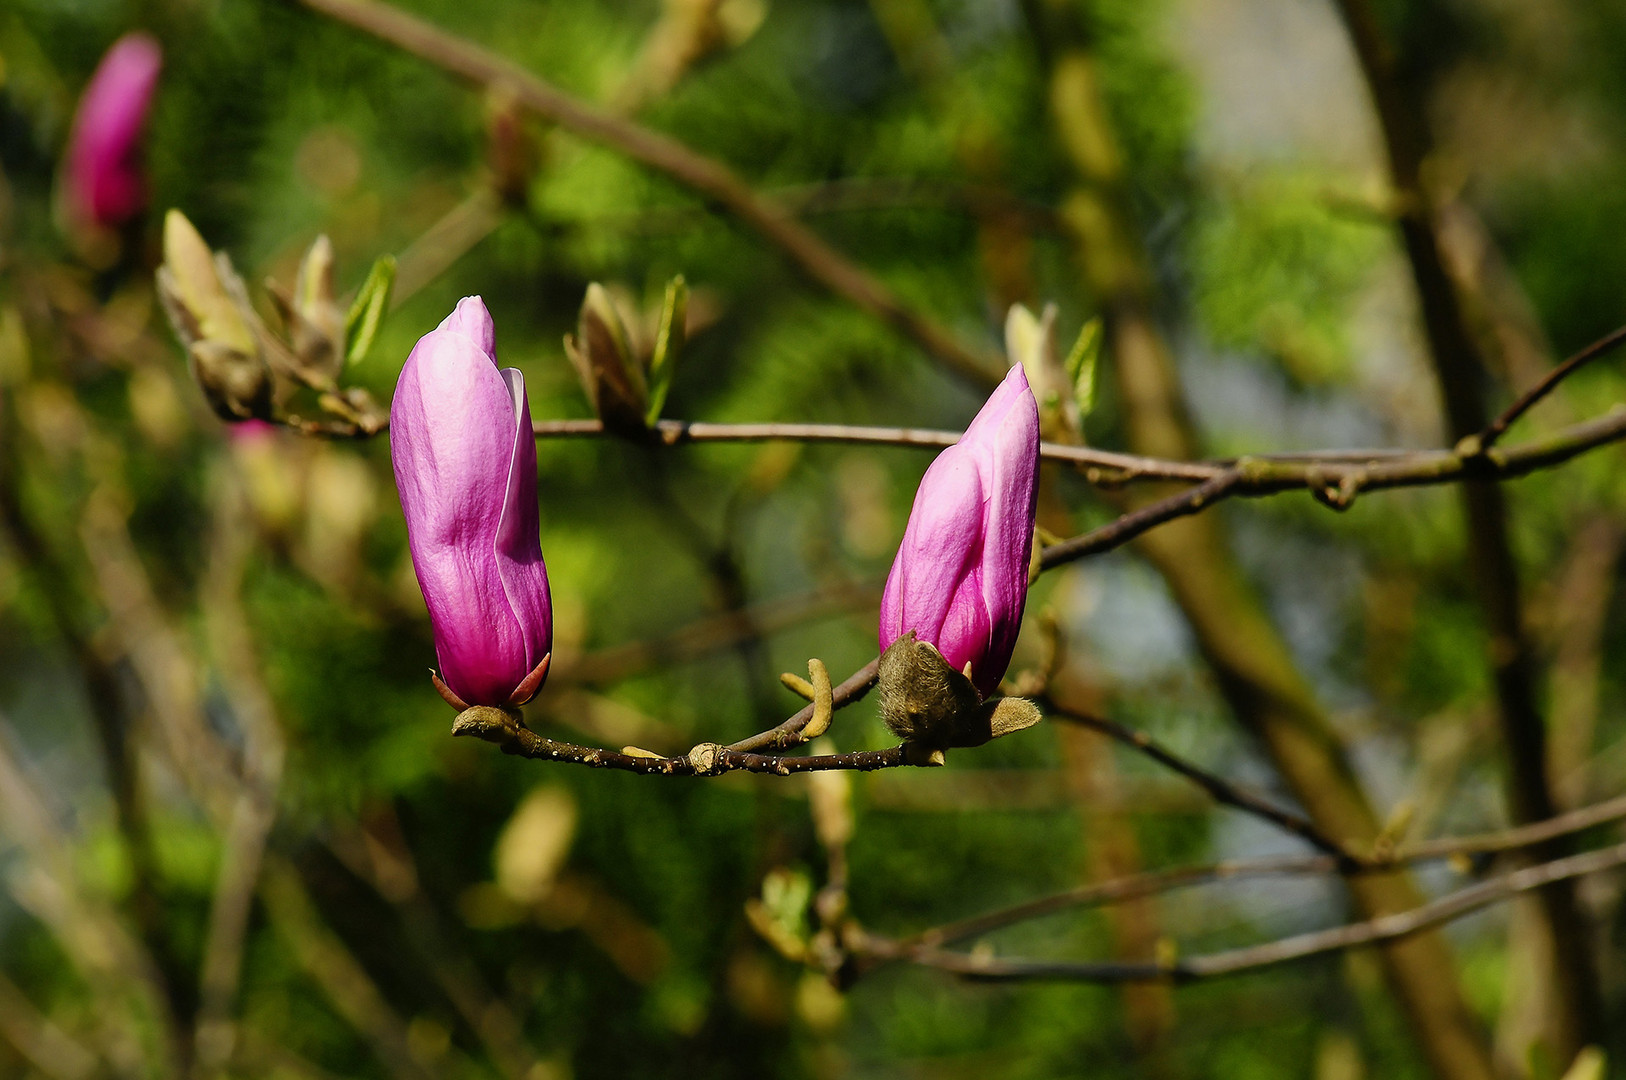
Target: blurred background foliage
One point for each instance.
(430, 907)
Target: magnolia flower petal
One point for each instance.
(1010, 399)
(964, 635)
(471, 319)
(518, 545)
(941, 544)
(452, 439)
(1008, 456)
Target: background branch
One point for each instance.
(1577, 1016)
(710, 178)
(1219, 789)
(1385, 928)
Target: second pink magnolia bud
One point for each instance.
(960, 579)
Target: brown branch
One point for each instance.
(1459, 368)
(1337, 483)
(706, 759)
(710, 178)
(789, 732)
(1521, 836)
(1221, 790)
(1126, 527)
(1383, 928)
(1139, 886)
(1106, 466)
(1603, 346)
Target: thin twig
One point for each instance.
(707, 176)
(1336, 477)
(1128, 526)
(1112, 467)
(1522, 836)
(1220, 789)
(1153, 883)
(1337, 483)
(852, 689)
(1604, 345)
(447, 240)
(1384, 928)
(706, 759)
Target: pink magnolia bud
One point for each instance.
(960, 580)
(105, 182)
(465, 467)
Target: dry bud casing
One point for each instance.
(316, 324)
(611, 374)
(204, 298)
(465, 467)
(933, 707)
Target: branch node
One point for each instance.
(706, 758)
(488, 722)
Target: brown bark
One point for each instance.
(1250, 660)
(1459, 369)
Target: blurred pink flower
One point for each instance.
(250, 431)
(105, 181)
(465, 467)
(960, 579)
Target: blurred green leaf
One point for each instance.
(366, 314)
(668, 345)
(1080, 365)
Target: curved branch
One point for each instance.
(1139, 886)
(707, 759)
(1219, 789)
(1384, 928)
(1604, 345)
(710, 178)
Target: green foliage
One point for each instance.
(930, 161)
(1279, 270)
(366, 313)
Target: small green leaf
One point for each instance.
(668, 344)
(367, 313)
(1080, 365)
